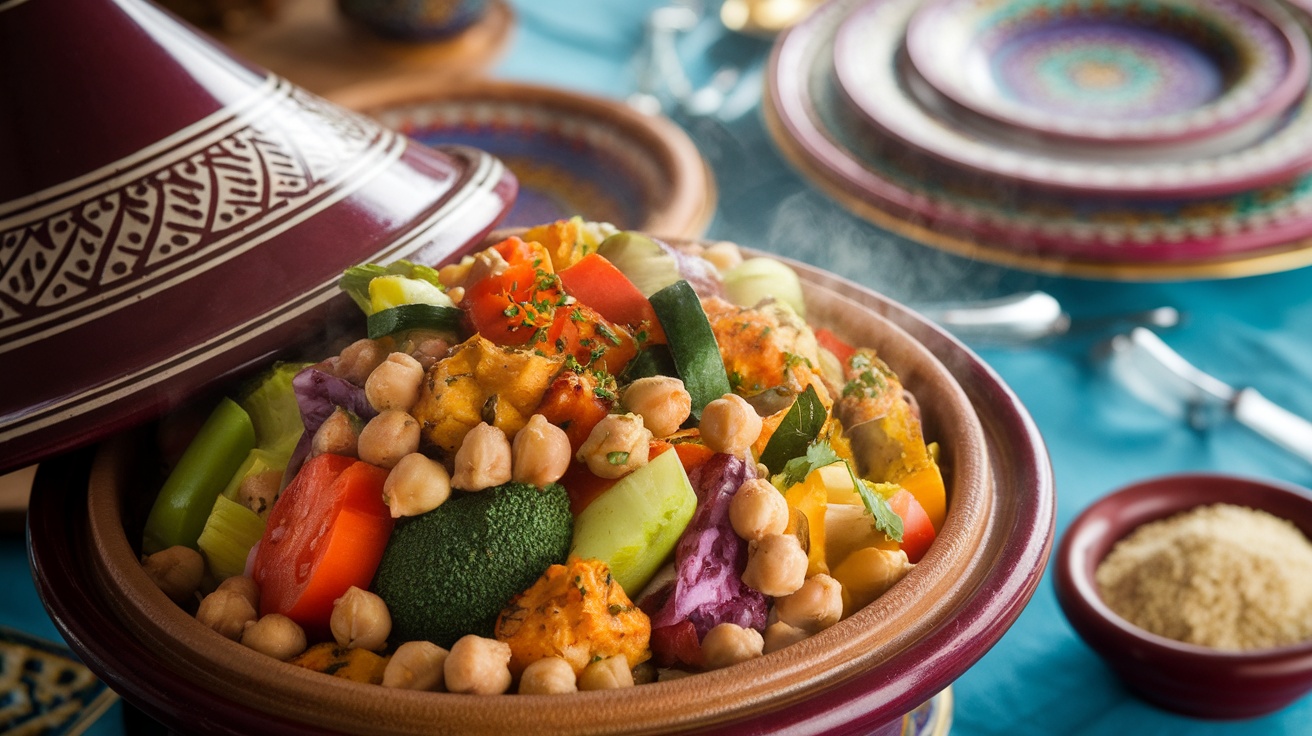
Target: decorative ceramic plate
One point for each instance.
(573, 154)
(867, 61)
(44, 689)
(1117, 71)
(878, 178)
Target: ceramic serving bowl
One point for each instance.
(172, 214)
(573, 154)
(864, 674)
(1190, 679)
(1124, 72)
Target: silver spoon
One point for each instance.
(1033, 316)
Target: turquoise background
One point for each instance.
(1040, 678)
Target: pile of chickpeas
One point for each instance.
(539, 454)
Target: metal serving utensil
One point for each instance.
(1161, 377)
(1032, 316)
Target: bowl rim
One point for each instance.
(1089, 531)
(685, 205)
(978, 620)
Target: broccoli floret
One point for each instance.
(449, 572)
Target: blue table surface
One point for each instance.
(1040, 678)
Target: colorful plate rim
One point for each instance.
(811, 147)
(1266, 85)
(677, 176)
(866, 60)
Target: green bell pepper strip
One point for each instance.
(210, 461)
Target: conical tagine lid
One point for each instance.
(170, 215)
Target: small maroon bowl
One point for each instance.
(1186, 678)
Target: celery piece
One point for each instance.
(256, 462)
(230, 532)
(209, 462)
(271, 403)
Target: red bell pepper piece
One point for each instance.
(326, 533)
(596, 282)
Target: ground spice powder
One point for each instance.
(1220, 576)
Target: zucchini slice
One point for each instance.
(692, 344)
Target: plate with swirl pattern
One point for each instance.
(1114, 71)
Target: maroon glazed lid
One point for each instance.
(170, 215)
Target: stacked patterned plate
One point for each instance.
(1132, 139)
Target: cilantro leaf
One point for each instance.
(818, 454)
(796, 431)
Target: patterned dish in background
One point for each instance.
(44, 689)
(876, 177)
(1115, 71)
(573, 154)
(866, 62)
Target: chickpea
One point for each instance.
(431, 350)
(338, 435)
(730, 425)
(483, 460)
(728, 644)
(388, 437)
(661, 401)
(540, 453)
(246, 587)
(274, 635)
(779, 635)
(477, 665)
(226, 611)
(416, 485)
(758, 509)
(776, 565)
(454, 274)
(416, 665)
(548, 676)
(487, 263)
(618, 445)
(176, 570)
(723, 255)
(394, 384)
(610, 673)
(360, 620)
(817, 605)
(359, 359)
(456, 294)
(258, 491)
